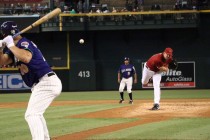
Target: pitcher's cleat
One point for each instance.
(155, 107)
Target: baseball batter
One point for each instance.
(126, 72)
(36, 73)
(153, 68)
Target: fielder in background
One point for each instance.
(36, 73)
(153, 68)
(126, 72)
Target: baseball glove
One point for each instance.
(173, 64)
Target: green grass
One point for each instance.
(138, 94)
(65, 125)
(179, 128)
(112, 95)
(14, 127)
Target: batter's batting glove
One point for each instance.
(173, 64)
(9, 41)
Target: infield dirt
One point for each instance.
(172, 108)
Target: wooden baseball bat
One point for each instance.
(45, 18)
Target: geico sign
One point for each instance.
(12, 81)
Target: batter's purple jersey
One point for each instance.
(127, 70)
(37, 67)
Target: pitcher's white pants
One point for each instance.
(126, 82)
(156, 76)
(42, 96)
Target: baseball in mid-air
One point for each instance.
(81, 41)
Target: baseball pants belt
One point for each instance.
(126, 77)
(50, 74)
(147, 67)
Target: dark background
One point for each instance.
(105, 50)
(98, 59)
(22, 21)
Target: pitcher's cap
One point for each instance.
(168, 51)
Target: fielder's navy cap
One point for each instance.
(126, 59)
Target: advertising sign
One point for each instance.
(12, 81)
(183, 77)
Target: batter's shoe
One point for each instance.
(131, 102)
(155, 107)
(121, 101)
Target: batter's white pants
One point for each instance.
(156, 77)
(42, 96)
(126, 82)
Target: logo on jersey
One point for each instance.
(25, 44)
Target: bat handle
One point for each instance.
(16, 35)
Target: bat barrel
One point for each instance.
(45, 18)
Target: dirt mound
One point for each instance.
(140, 109)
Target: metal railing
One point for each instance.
(121, 18)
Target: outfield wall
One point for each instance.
(94, 65)
(109, 47)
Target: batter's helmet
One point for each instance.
(9, 28)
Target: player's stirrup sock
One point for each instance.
(130, 95)
(122, 95)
